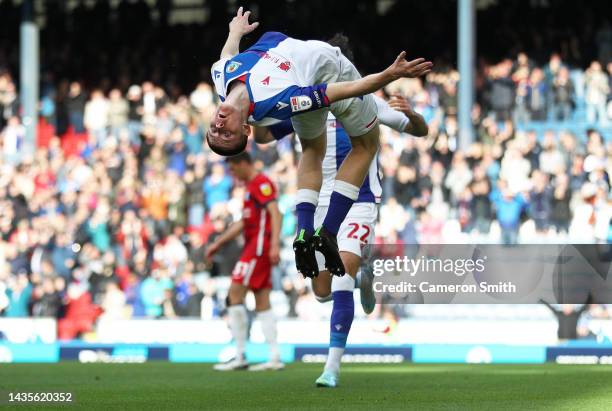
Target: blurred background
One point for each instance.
(109, 194)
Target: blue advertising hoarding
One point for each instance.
(569, 353)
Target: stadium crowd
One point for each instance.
(110, 217)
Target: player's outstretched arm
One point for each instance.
(399, 115)
(417, 126)
(369, 84)
(238, 27)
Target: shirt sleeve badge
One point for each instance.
(266, 189)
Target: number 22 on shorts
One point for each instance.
(360, 232)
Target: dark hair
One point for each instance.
(341, 41)
(238, 158)
(226, 151)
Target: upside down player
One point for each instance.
(260, 223)
(357, 229)
(280, 78)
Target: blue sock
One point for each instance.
(306, 200)
(342, 315)
(305, 217)
(339, 206)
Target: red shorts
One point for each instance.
(253, 271)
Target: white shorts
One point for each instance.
(356, 231)
(327, 64)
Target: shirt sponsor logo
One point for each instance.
(280, 105)
(266, 81)
(233, 66)
(285, 66)
(300, 103)
(268, 56)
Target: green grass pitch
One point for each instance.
(170, 386)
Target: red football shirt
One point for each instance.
(257, 227)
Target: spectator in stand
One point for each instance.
(150, 103)
(480, 207)
(75, 106)
(9, 103)
(561, 213)
(508, 209)
(552, 69)
(217, 186)
(49, 301)
(96, 117)
(562, 95)
(502, 90)
(177, 153)
(202, 98)
(597, 90)
(135, 113)
(113, 302)
(63, 255)
(133, 297)
(12, 138)
(515, 169)
(459, 176)
(550, 160)
(193, 136)
(19, 293)
(540, 201)
(80, 315)
(118, 110)
(194, 186)
(153, 292)
(537, 95)
(521, 113)
(197, 252)
(406, 184)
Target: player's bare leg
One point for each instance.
(238, 324)
(266, 317)
(349, 179)
(357, 163)
(321, 285)
(309, 182)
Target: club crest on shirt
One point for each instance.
(265, 188)
(233, 66)
(285, 66)
(300, 103)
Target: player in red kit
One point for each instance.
(260, 225)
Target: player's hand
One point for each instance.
(401, 104)
(412, 69)
(240, 23)
(274, 254)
